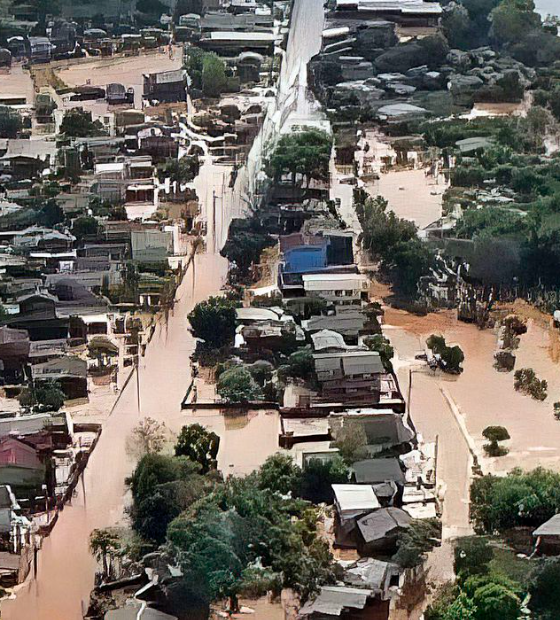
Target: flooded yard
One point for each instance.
(482, 395)
(128, 71)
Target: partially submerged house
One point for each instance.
(349, 376)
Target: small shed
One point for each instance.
(548, 537)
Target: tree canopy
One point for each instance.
(199, 445)
(301, 154)
(214, 321)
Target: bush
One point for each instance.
(236, 385)
(543, 588)
(472, 555)
(198, 445)
(526, 381)
(494, 434)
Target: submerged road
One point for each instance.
(66, 568)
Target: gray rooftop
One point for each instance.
(550, 528)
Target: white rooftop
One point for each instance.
(351, 497)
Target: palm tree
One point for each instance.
(105, 546)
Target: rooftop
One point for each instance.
(350, 497)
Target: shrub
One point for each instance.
(494, 434)
(236, 385)
(526, 381)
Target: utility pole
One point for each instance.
(214, 218)
(138, 378)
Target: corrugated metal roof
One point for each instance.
(332, 600)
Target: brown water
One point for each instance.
(487, 397)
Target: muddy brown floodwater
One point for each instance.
(482, 395)
(66, 568)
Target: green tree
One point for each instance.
(456, 25)
(301, 154)
(50, 214)
(214, 80)
(416, 540)
(105, 546)
(43, 396)
(244, 249)
(513, 19)
(162, 487)
(496, 602)
(236, 385)
(199, 445)
(84, 227)
(301, 364)
(319, 475)
(10, 122)
(519, 499)
(214, 321)
(494, 434)
(78, 123)
(280, 474)
(182, 170)
(526, 381)
(383, 230)
(382, 345)
(462, 608)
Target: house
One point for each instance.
(548, 537)
(349, 376)
(9, 508)
(37, 315)
(377, 471)
(151, 246)
(14, 353)
(378, 532)
(339, 602)
(375, 575)
(407, 12)
(233, 41)
(352, 501)
(384, 428)
(69, 371)
(350, 322)
(337, 288)
(20, 465)
(168, 86)
(40, 49)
